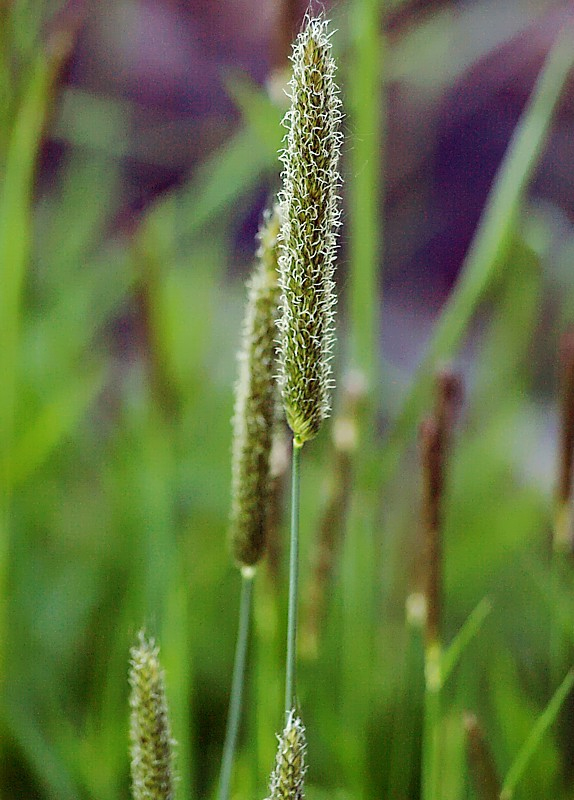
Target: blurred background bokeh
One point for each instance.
(138, 150)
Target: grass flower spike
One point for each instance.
(288, 776)
(255, 404)
(253, 428)
(150, 736)
(308, 232)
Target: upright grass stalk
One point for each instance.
(333, 520)
(367, 118)
(306, 265)
(563, 534)
(432, 453)
(253, 425)
(291, 662)
(435, 439)
(237, 684)
(360, 581)
(488, 252)
(532, 743)
(480, 760)
(562, 544)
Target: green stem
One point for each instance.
(532, 743)
(366, 102)
(487, 257)
(290, 669)
(431, 729)
(236, 697)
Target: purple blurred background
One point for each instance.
(459, 74)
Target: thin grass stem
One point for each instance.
(291, 664)
(237, 684)
(532, 743)
(488, 254)
(431, 725)
(366, 98)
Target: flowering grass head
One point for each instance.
(151, 744)
(255, 405)
(287, 779)
(308, 233)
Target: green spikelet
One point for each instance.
(287, 779)
(308, 232)
(151, 745)
(255, 404)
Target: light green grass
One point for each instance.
(114, 487)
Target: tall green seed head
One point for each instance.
(255, 405)
(287, 779)
(308, 232)
(151, 744)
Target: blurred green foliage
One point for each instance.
(114, 458)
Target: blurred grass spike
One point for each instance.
(487, 256)
(432, 443)
(255, 404)
(435, 440)
(287, 779)
(480, 760)
(150, 735)
(308, 232)
(333, 519)
(563, 512)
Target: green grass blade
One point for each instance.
(258, 110)
(15, 198)
(44, 761)
(490, 246)
(229, 174)
(54, 421)
(530, 746)
(463, 638)
(365, 185)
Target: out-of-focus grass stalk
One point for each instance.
(405, 739)
(562, 541)
(237, 685)
(491, 242)
(162, 582)
(480, 761)
(366, 100)
(268, 668)
(291, 660)
(431, 753)
(366, 111)
(435, 440)
(178, 662)
(6, 78)
(562, 538)
(433, 452)
(531, 744)
(15, 234)
(333, 520)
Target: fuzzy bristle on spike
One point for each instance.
(287, 779)
(151, 744)
(307, 239)
(255, 405)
